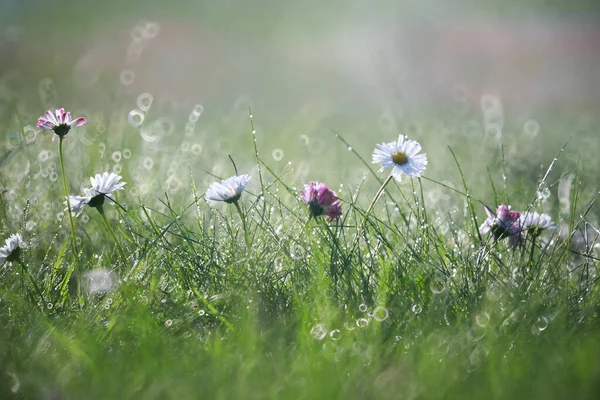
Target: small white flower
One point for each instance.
(77, 203)
(402, 156)
(102, 186)
(12, 248)
(105, 184)
(228, 190)
(534, 221)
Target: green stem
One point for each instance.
(66, 189)
(531, 253)
(375, 199)
(112, 233)
(378, 195)
(246, 238)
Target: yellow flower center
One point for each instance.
(399, 158)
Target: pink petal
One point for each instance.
(78, 122)
(50, 117)
(44, 124)
(60, 115)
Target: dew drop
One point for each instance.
(319, 331)
(335, 334)
(380, 313)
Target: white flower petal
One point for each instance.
(414, 165)
(229, 189)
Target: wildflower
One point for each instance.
(534, 222)
(322, 201)
(77, 203)
(505, 223)
(402, 156)
(60, 122)
(229, 190)
(11, 251)
(102, 186)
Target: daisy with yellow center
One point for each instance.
(402, 156)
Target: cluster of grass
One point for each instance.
(407, 301)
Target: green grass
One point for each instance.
(405, 301)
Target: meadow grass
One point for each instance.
(399, 298)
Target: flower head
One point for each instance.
(102, 186)
(504, 223)
(60, 122)
(322, 201)
(77, 203)
(11, 251)
(402, 156)
(229, 190)
(533, 222)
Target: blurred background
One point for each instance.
(166, 87)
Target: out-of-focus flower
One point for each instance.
(11, 251)
(229, 190)
(322, 201)
(534, 222)
(401, 156)
(513, 225)
(60, 122)
(99, 281)
(504, 223)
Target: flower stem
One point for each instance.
(66, 189)
(246, 238)
(378, 195)
(375, 199)
(112, 233)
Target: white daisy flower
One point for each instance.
(105, 184)
(532, 221)
(228, 190)
(402, 156)
(12, 248)
(77, 203)
(102, 186)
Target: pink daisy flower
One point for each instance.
(322, 201)
(504, 223)
(60, 122)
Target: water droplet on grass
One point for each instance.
(540, 324)
(380, 313)
(335, 334)
(362, 322)
(437, 284)
(482, 319)
(319, 331)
